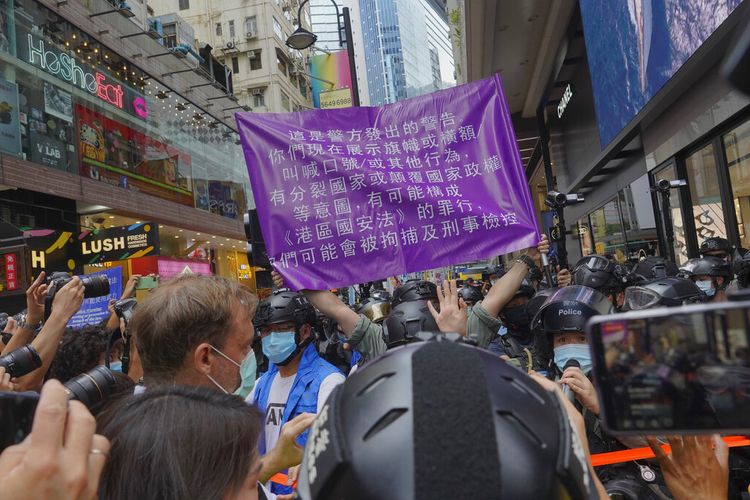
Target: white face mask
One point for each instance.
(706, 287)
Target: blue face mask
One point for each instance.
(706, 287)
(278, 346)
(579, 352)
(248, 370)
(115, 366)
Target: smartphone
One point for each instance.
(147, 283)
(16, 416)
(674, 370)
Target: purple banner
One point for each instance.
(357, 194)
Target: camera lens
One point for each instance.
(21, 361)
(664, 184)
(92, 387)
(95, 286)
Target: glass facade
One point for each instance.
(737, 147)
(69, 103)
(405, 40)
(708, 210)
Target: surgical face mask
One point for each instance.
(115, 366)
(579, 352)
(492, 282)
(248, 372)
(228, 359)
(517, 317)
(278, 346)
(706, 287)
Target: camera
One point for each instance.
(21, 361)
(666, 184)
(93, 286)
(92, 387)
(125, 309)
(556, 199)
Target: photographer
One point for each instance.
(23, 331)
(80, 351)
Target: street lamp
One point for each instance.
(302, 39)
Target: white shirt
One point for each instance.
(278, 396)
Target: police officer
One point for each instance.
(298, 380)
(651, 268)
(712, 275)
(602, 274)
(672, 291)
(717, 247)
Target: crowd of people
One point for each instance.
(433, 391)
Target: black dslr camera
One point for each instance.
(21, 361)
(93, 286)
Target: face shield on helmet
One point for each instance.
(638, 297)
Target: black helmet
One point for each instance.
(380, 295)
(670, 291)
(283, 306)
(707, 266)
(525, 290)
(652, 268)
(599, 273)
(405, 321)
(539, 298)
(715, 244)
(387, 432)
(414, 290)
(535, 274)
(471, 294)
(570, 308)
(375, 310)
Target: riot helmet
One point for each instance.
(714, 267)
(570, 308)
(414, 290)
(716, 247)
(284, 306)
(380, 295)
(651, 268)
(383, 432)
(670, 292)
(470, 294)
(515, 315)
(600, 273)
(405, 321)
(375, 310)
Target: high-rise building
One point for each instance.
(249, 37)
(408, 48)
(326, 27)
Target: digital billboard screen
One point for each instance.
(635, 46)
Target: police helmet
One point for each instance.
(470, 294)
(707, 266)
(380, 295)
(651, 268)
(375, 310)
(599, 273)
(539, 298)
(672, 291)
(525, 290)
(405, 321)
(284, 306)
(414, 290)
(715, 244)
(399, 429)
(570, 308)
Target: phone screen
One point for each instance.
(146, 283)
(16, 416)
(663, 370)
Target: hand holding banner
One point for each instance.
(358, 194)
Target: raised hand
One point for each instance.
(452, 317)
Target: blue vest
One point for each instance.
(303, 396)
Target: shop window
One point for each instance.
(218, 29)
(678, 225)
(737, 148)
(255, 59)
(705, 195)
(235, 65)
(231, 30)
(184, 4)
(609, 236)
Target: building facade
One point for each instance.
(408, 48)
(249, 38)
(103, 127)
(622, 98)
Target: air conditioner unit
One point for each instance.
(256, 91)
(250, 34)
(230, 45)
(252, 54)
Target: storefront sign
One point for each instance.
(13, 271)
(47, 151)
(567, 96)
(358, 194)
(95, 310)
(10, 129)
(64, 251)
(98, 83)
(341, 98)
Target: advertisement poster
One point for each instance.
(47, 151)
(223, 198)
(10, 128)
(58, 103)
(333, 68)
(116, 154)
(95, 310)
(357, 194)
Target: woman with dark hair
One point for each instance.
(182, 442)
